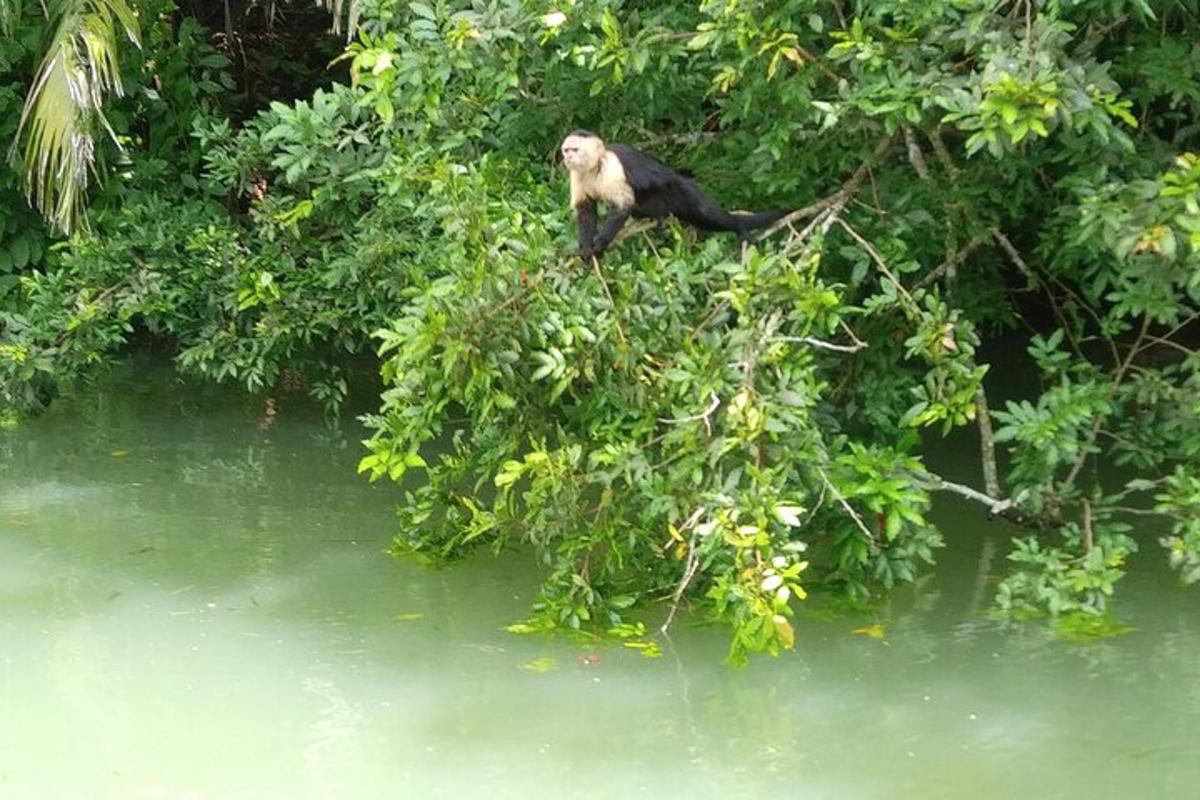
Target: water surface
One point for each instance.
(194, 603)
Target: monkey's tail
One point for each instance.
(750, 222)
(705, 213)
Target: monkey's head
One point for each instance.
(582, 150)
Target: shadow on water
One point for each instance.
(194, 602)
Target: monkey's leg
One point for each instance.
(585, 220)
(612, 223)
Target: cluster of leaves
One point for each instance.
(685, 420)
(635, 425)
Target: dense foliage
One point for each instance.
(685, 420)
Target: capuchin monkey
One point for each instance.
(632, 183)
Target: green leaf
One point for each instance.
(423, 10)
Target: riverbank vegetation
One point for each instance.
(686, 422)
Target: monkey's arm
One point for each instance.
(612, 224)
(585, 220)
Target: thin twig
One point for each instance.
(815, 342)
(713, 405)
(633, 229)
(1112, 392)
(1019, 262)
(1146, 512)
(689, 569)
(1080, 301)
(721, 306)
(849, 509)
(1013, 254)
(823, 220)
(611, 302)
(799, 214)
(871, 251)
(1151, 339)
(817, 63)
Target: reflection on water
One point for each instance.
(194, 607)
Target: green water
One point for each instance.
(194, 603)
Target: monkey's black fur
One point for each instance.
(659, 192)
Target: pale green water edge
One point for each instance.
(192, 606)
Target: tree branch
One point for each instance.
(848, 190)
(996, 506)
(915, 156)
(951, 263)
(815, 342)
(987, 444)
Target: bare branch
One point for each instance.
(987, 445)
(848, 190)
(633, 229)
(943, 155)
(996, 506)
(1144, 512)
(815, 342)
(1013, 254)
(1171, 343)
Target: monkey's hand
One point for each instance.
(586, 253)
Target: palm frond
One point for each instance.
(10, 12)
(65, 105)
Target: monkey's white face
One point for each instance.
(582, 153)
